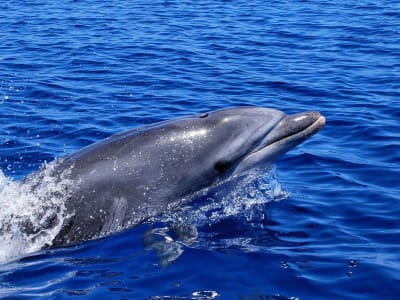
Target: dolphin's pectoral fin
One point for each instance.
(114, 219)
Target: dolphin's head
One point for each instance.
(235, 140)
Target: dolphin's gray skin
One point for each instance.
(129, 177)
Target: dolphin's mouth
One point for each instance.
(293, 129)
(288, 133)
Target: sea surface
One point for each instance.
(323, 223)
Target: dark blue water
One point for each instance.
(324, 224)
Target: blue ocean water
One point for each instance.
(323, 224)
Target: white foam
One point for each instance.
(31, 213)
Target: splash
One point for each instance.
(242, 197)
(32, 212)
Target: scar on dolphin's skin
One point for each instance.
(129, 177)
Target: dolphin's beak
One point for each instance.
(288, 133)
(293, 129)
(303, 125)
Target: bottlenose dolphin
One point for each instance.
(125, 179)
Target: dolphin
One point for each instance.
(129, 177)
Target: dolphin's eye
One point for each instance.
(222, 166)
(203, 115)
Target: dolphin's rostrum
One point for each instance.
(125, 179)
